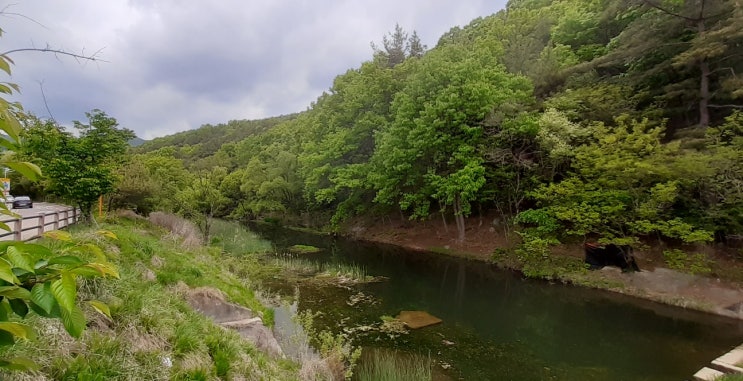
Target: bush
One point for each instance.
(696, 263)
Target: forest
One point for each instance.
(566, 120)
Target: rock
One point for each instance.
(257, 333)
(417, 319)
(210, 302)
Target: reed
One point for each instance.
(388, 365)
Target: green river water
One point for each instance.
(498, 326)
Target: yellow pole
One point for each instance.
(100, 206)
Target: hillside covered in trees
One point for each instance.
(572, 119)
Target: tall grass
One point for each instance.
(343, 271)
(235, 239)
(153, 334)
(389, 365)
(179, 228)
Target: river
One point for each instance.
(499, 326)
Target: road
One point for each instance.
(51, 216)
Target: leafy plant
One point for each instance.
(37, 278)
(696, 263)
(34, 277)
(336, 350)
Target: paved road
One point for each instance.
(54, 215)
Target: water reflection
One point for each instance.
(504, 327)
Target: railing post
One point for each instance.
(41, 224)
(17, 229)
(56, 221)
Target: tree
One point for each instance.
(83, 168)
(202, 200)
(397, 47)
(682, 53)
(136, 189)
(622, 186)
(432, 150)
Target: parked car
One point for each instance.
(22, 202)
(9, 199)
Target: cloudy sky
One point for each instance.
(173, 65)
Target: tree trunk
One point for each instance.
(703, 83)
(459, 217)
(443, 218)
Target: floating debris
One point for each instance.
(359, 297)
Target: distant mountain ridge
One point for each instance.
(207, 139)
(137, 141)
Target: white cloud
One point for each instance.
(175, 65)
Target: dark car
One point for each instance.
(22, 202)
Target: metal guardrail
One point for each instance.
(39, 224)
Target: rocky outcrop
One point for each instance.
(211, 302)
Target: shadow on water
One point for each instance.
(498, 326)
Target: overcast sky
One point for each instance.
(174, 65)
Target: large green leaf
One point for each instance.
(18, 259)
(87, 271)
(5, 64)
(39, 251)
(28, 170)
(14, 292)
(6, 338)
(66, 260)
(4, 310)
(54, 313)
(101, 307)
(17, 329)
(18, 363)
(59, 235)
(73, 321)
(9, 124)
(6, 272)
(64, 290)
(90, 248)
(19, 307)
(41, 295)
(97, 269)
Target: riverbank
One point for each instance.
(656, 282)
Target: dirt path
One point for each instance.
(654, 282)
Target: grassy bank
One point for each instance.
(153, 334)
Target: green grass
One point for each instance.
(304, 249)
(151, 323)
(337, 271)
(235, 239)
(387, 365)
(731, 377)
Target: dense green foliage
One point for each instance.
(588, 119)
(77, 168)
(202, 143)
